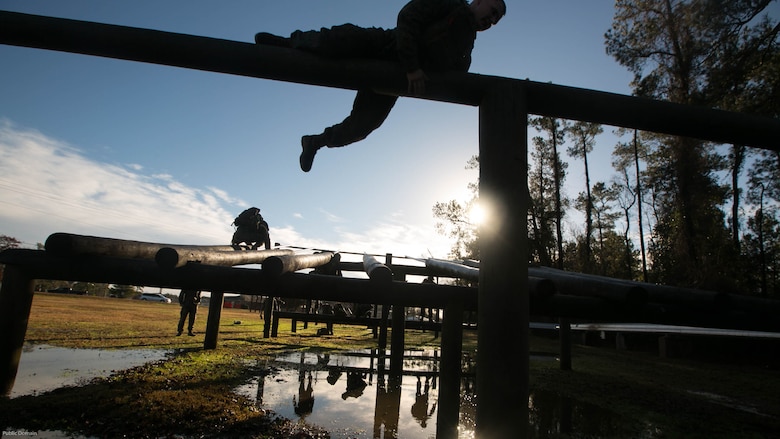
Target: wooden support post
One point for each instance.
(16, 295)
(564, 338)
(502, 357)
(397, 340)
(449, 373)
(268, 309)
(275, 325)
(397, 336)
(382, 343)
(212, 324)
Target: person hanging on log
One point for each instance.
(431, 35)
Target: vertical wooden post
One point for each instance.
(16, 295)
(502, 357)
(268, 309)
(564, 338)
(212, 324)
(397, 335)
(449, 373)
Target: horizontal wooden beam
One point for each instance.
(248, 59)
(735, 312)
(68, 244)
(173, 257)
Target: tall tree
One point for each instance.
(743, 76)
(583, 135)
(626, 156)
(665, 43)
(554, 131)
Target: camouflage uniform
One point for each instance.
(435, 35)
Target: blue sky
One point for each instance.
(153, 153)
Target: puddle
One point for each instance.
(730, 403)
(345, 395)
(43, 368)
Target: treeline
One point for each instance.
(667, 215)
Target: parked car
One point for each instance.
(155, 297)
(66, 290)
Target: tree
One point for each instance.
(665, 44)
(453, 221)
(583, 135)
(124, 291)
(744, 76)
(7, 242)
(626, 156)
(547, 156)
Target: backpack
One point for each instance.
(248, 218)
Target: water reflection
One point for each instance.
(351, 396)
(43, 368)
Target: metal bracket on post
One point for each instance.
(502, 356)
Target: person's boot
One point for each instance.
(271, 40)
(310, 145)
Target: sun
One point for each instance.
(477, 214)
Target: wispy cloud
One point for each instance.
(48, 186)
(331, 217)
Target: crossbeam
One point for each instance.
(247, 59)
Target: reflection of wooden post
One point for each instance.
(212, 324)
(382, 343)
(449, 373)
(502, 356)
(16, 295)
(564, 334)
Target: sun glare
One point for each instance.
(477, 215)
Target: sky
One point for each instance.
(144, 152)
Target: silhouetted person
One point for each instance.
(305, 403)
(420, 406)
(189, 300)
(430, 35)
(355, 385)
(251, 229)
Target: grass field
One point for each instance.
(190, 394)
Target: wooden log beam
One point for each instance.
(631, 293)
(376, 270)
(68, 244)
(276, 266)
(247, 59)
(452, 269)
(175, 257)
(759, 315)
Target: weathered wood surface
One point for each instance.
(173, 257)
(275, 266)
(376, 270)
(68, 244)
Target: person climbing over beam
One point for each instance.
(430, 35)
